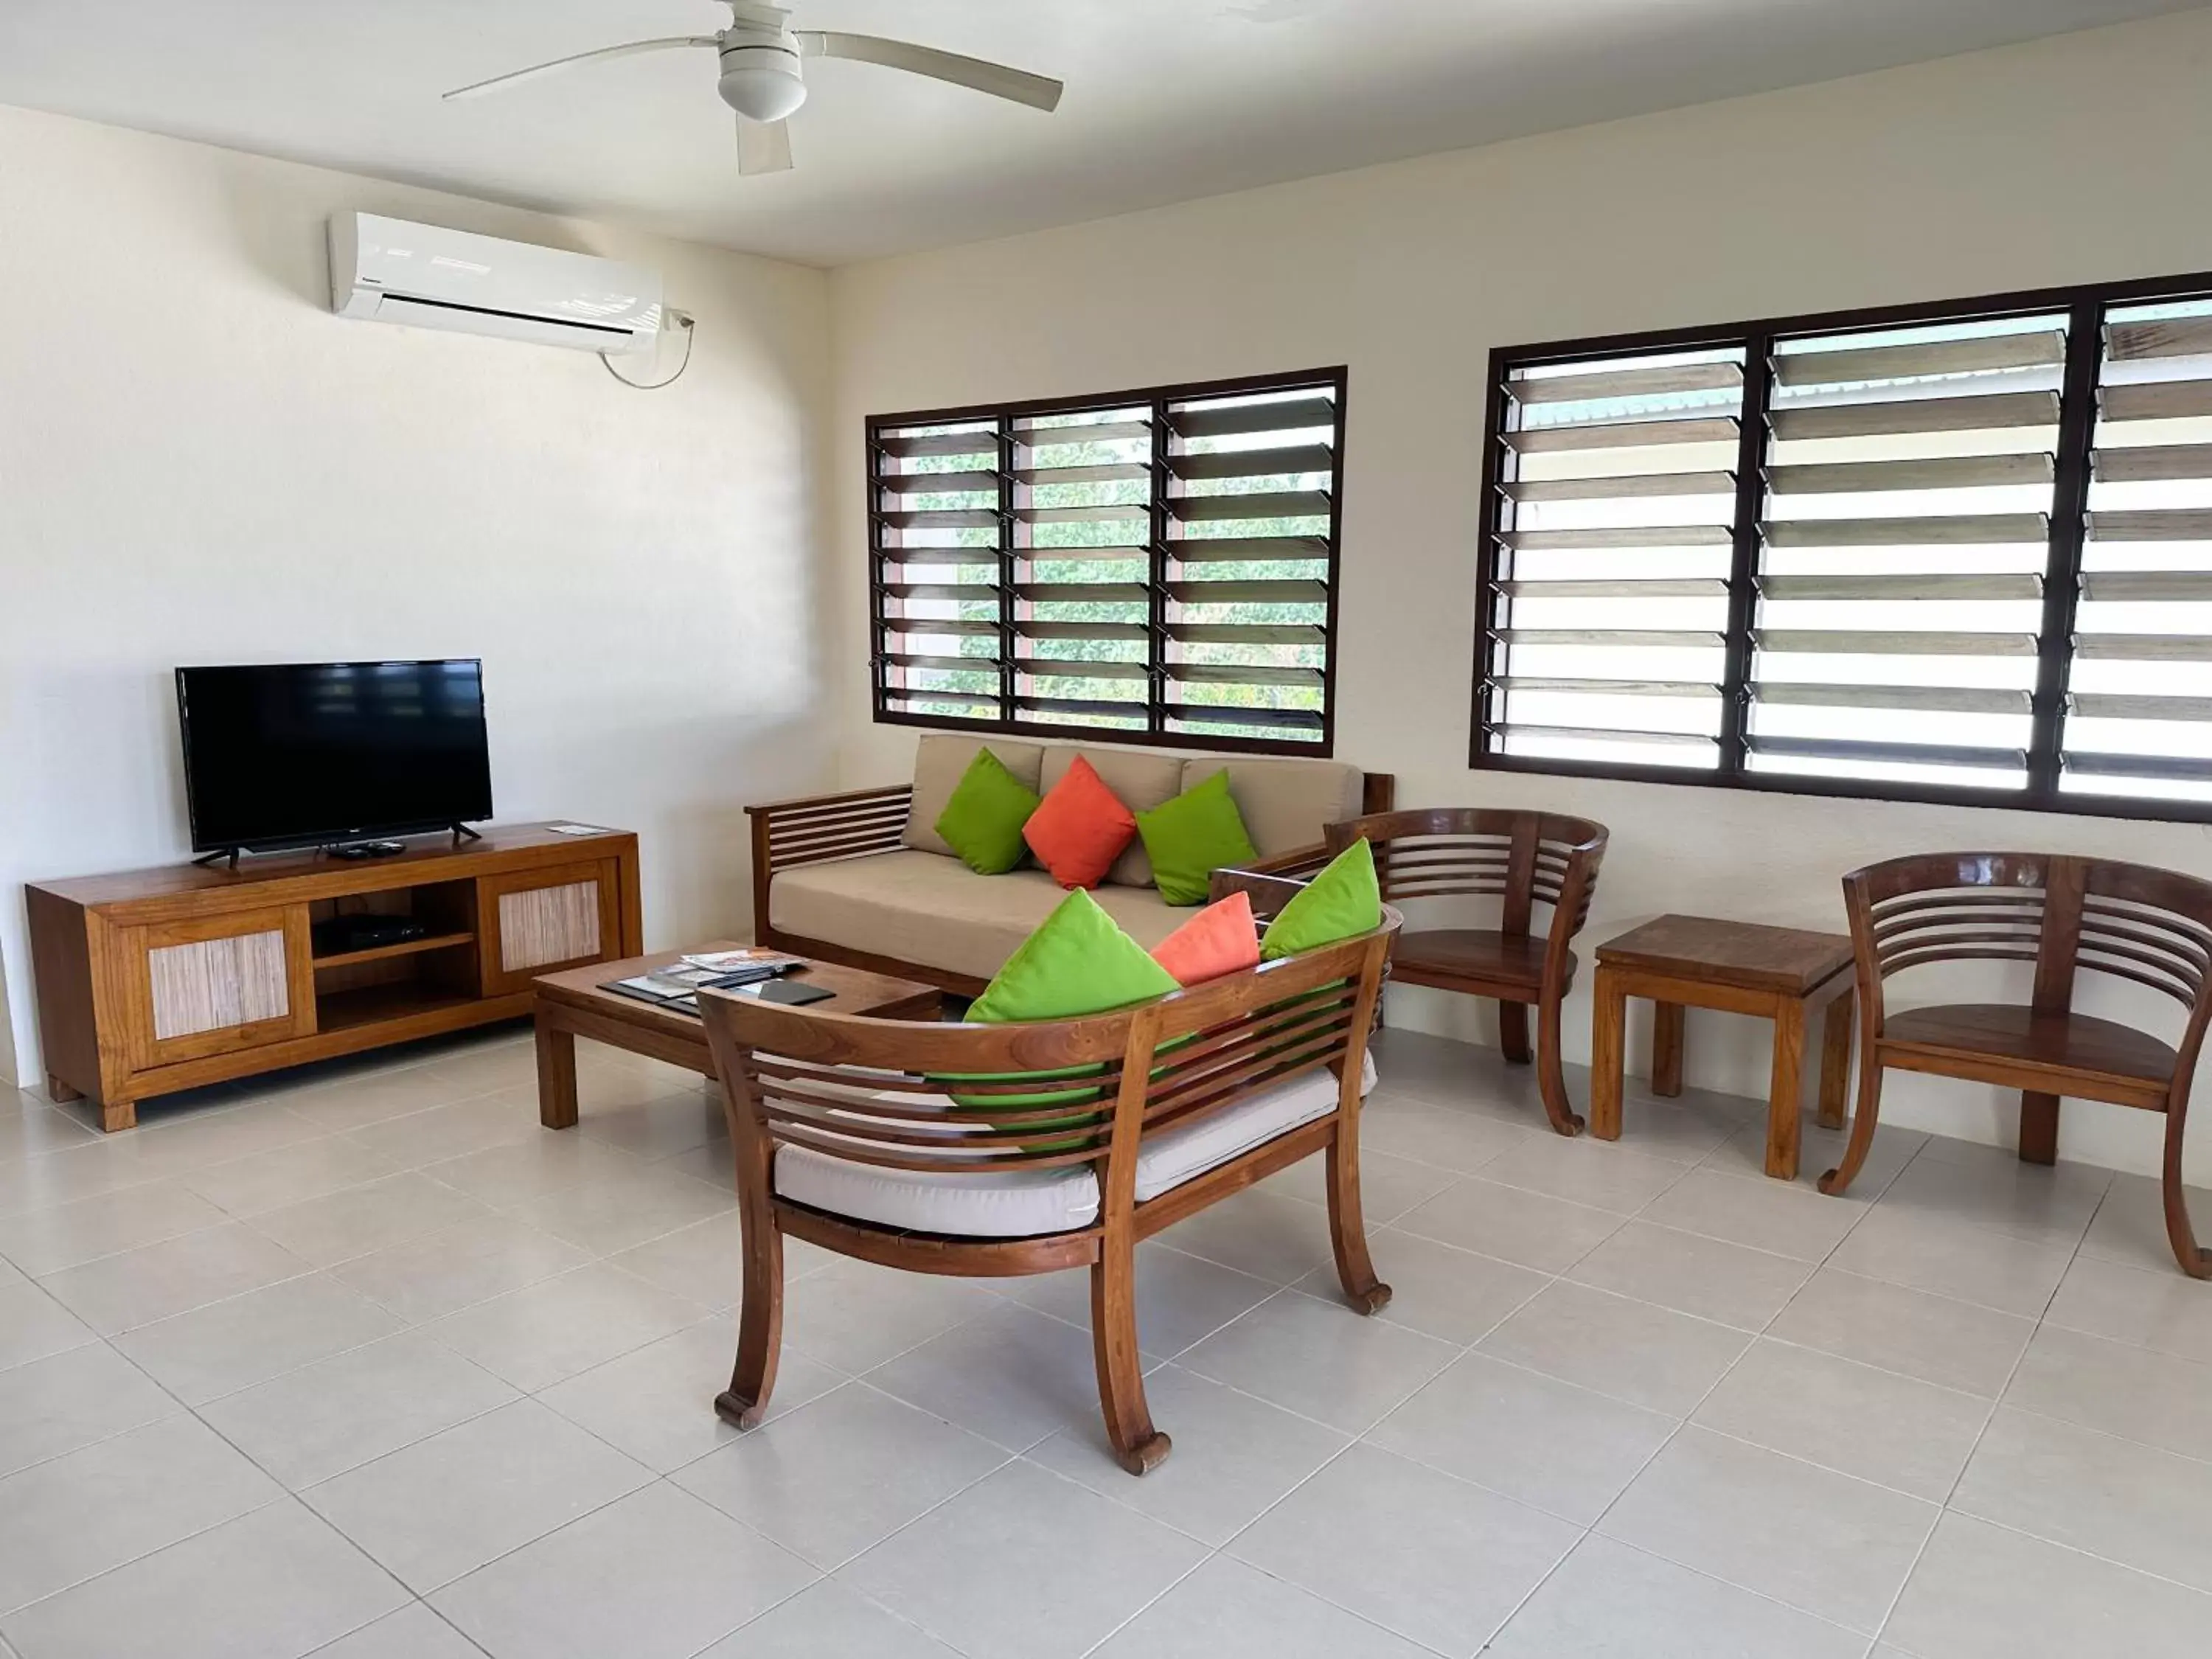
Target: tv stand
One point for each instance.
(159, 980)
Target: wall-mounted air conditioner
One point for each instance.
(389, 272)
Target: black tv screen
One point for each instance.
(299, 753)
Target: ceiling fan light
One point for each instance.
(762, 83)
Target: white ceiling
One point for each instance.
(1167, 100)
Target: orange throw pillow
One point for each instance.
(1080, 828)
(1222, 938)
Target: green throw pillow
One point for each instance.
(1078, 962)
(982, 822)
(1343, 900)
(1190, 837)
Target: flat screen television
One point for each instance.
(306, 754)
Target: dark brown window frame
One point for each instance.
(1154, 735)
(2085, 304)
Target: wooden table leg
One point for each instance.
(1781, 1126)
(2038, 1128)
(556, 1075)
(1835, 1058)
(1608, 1058)
(1667, 1024)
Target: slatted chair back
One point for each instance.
(1041, 1096)
(2064, 914)
(1522, 858)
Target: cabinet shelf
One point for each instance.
(404, 948)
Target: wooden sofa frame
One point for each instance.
(817, 829)
(801, 1077)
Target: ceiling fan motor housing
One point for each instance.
(760, 76)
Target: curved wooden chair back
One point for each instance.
(2062, 913)
(1039, 1095)
(1520, 857)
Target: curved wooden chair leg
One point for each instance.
(1551, 1076)
(1347, 1228)
(1137, 1446)
(2196, 1262)
(1513, 1031)
(760, 1329)
(1863, 1119)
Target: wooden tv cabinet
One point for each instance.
(159, 980)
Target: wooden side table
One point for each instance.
(1739, 968)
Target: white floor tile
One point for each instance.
(2033, 1203)
(2128, 1503)
(1563, 1450)
(232, 1345)
(828, 1621)
(1603, 1175)
(1818, 1541)
(1433, 1137)
(519, 1171)
(1439, 1289)
(1530, 1230)
(1893, 1431)
(323, 1419)
(1226, 1610)
(657, 1575)
(158, 1281)
(1320, 1360)
(1609, 1602)
(1270, 1235)
(273, 1585)
(1435, 1559)
(661, 1125)
(656, 1403)
(552, 1330)
(2130, 1223)
(1955, 1344)
(2132, 1392)
(842, 1474)
(1181, 1299)
(1752, 1210)
(413, 1632)
(855, 1316)
(446, 1505)
(1927, 1251)
(453, 1130)
(2152, 1308)
(1012, 1376)
(1389, 1185)
(621, 1209)
(1985, 1592)
(441, 1273)
(34, 1325)
(1693, 1274)
(63, 1521)
(1104, 1565)
(340, 1226)
(44, 1242)
(75, 1398)
(287, 1175)
(1234, 1455)
(1634, 1351)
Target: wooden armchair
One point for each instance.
(844, 1138)
(2065, 915)
(1524, 858)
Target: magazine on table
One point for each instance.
(678, 985)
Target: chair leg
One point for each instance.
(1513, 1031)
(2196, 1263)
(760, 1327)
(2039, 1127)
(1862, 1124)
(1137, 1446)
(1347, 1228)
(1551, 1076)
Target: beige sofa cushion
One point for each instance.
(930, 908)
(939, 761)
(1139, 780)
(1283, 803)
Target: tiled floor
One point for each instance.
(368, 1366)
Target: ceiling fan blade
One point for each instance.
(764, 147)
(500, 83)
(1037, 91)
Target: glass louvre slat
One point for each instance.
(2139, 713)
(1910, 480)
(1613, 536)
(1156, 565)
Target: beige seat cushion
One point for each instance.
(1139, 780)
(932, 909)
(1283, 803)
(939, 761)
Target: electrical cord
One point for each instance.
(682, 320)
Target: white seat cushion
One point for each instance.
(1022, 1203)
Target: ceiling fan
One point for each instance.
(761, 78)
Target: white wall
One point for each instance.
(198, 462)
(2071, 159)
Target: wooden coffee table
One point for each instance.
(1740, 968)
(572, 1005)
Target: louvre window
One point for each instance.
(1960, 554)
(1156, 565)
